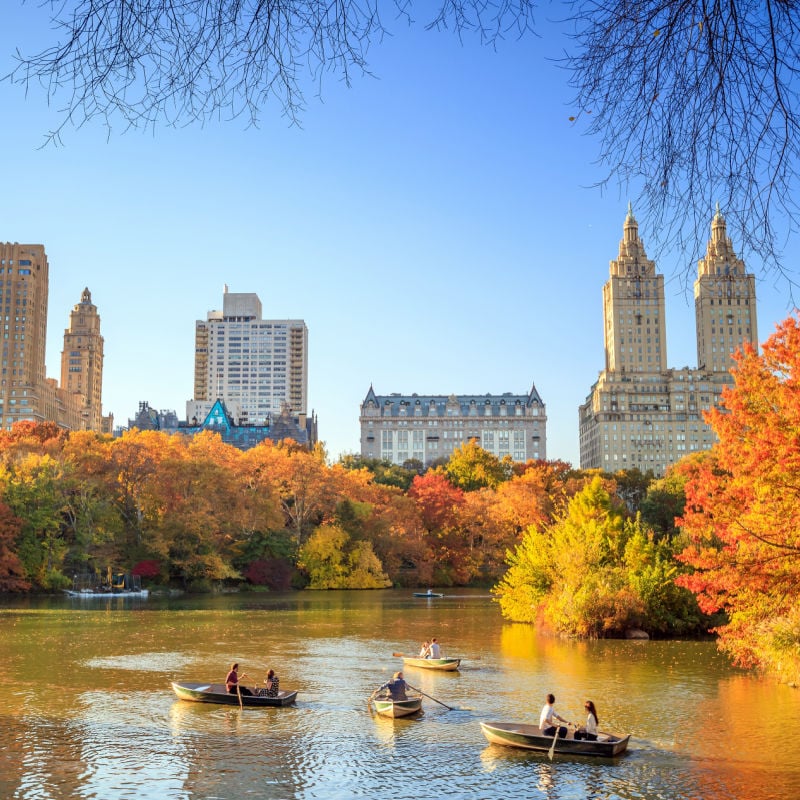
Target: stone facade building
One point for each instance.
(640, 413)
(399, 428)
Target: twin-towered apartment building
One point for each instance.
(251, 374)
(639, 414)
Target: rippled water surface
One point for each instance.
(88, 711)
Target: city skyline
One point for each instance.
(432, 226)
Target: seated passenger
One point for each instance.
(272, 685)
(588, 731)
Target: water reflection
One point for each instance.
(92, 714)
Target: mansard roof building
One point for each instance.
(400, 428)
(640, 413)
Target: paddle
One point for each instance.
(239, 693)
(406, 655)
(553, 746)
(449, 708)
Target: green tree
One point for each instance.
(594, 572)
(33, 491)
(664, 503)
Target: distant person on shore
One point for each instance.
(547, 719)
(435, 651)
(588, 731)
(425, 650)
(271, 685)
(232, 681)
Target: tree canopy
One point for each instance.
(692, 103)
(743, 509)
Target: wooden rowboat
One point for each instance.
(387, 707)
(442, 664)
(217, 693)
(529, 737)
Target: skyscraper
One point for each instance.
(24, 272)
(25, 391)
(724, 302)
(640, 413)
(258, 367)
(82, 360)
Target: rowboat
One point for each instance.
(217, 693)
(529, 737)
(95, 594)
(442, 664)
(427, 594)
(396, 708)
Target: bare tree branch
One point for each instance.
(693, 102)
(696, 101)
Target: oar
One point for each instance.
(553, 746)
(449, 708)
(239, 693)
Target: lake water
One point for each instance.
(88, 711)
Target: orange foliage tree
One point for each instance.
(743, 509)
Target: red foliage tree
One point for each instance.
(437, 498)
(12, 575)
(743, 509)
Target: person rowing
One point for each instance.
(547, 725)
(232, 681)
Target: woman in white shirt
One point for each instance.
(589, 731)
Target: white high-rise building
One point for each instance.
(257, 367)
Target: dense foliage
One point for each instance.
(197, 513)
(596, 571)
(743, 510)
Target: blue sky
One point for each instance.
(432, 225)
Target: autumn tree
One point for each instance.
(534, 496)
(383, 470)
(33, 490)
(471, 467)
(743, 509)
(437, 499)
(334, 561)
(12, 572)
(306, 488)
